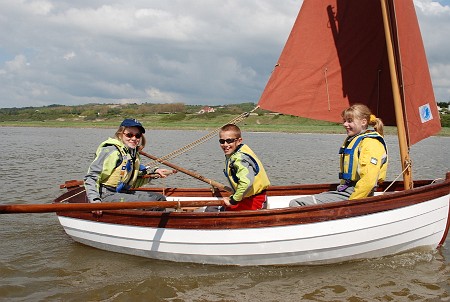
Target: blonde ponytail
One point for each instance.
(361, 111)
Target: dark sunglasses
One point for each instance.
(228, 140)
(130, 135)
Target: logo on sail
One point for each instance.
(425, 113)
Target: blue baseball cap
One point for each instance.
(131, 122)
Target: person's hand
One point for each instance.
(163, 173)
(229, 201)
(97, 213)
(226, 200)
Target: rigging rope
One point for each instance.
(408, 165)
(200, 141)
(72, 196)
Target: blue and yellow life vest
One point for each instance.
(349, 154)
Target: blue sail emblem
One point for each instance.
(425, 113)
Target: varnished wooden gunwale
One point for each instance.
(265, 218)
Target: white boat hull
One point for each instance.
(365, 236)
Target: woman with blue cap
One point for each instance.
(116, 168)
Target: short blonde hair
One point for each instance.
(233, 128)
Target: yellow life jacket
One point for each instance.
(125, 174)
(349, 154)
(261, 181)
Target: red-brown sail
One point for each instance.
(336, 56)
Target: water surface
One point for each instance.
(39, 262)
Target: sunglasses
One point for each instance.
(228, 140)
(130, 135)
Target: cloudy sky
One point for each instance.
(192, 51)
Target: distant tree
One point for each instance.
(445, 120)
(174, 117)
(75, 110)
(89, 112)
(113, 111)
(234, 109)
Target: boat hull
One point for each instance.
(331, 233)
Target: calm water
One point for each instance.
(39, 262)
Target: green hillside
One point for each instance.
(170, 116)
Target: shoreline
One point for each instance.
(280, 128)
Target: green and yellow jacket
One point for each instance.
(245, 173)
(114, 166)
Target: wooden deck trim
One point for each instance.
(263, 218)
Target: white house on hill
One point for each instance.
(206, 109)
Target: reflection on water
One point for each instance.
(38, 261)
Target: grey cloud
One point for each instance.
(197, 52)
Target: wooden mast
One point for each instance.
(399, 114)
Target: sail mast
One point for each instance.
(399, 113)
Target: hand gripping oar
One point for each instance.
(103, 206)
(190, 173)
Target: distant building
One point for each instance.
(206, 109)
(444, 110)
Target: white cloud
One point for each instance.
(37, 92)
(441, 76)
(434, 20)
(431, 8)
(69, 56)
(157, 96)
(197, 51)
(39, 7)
(16, 65)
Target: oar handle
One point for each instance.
(188, 172)
(69, 207)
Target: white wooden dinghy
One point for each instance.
(339, 52)
(373, 227)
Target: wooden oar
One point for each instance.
(68, 207)
(190, 173)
